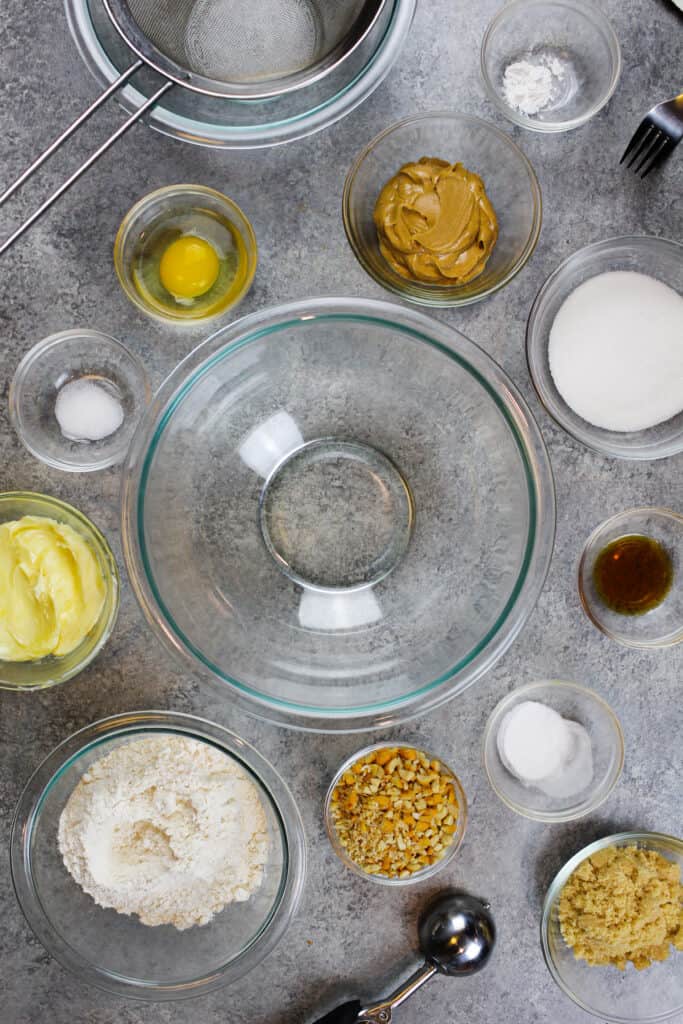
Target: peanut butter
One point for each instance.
(435, 222)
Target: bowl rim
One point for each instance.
(112, 580)
(523, 427)
(418, 876)
(238, 219)
(585, 807)
(590, 11)
(21, 374)
(537, 352)
(290, 129)
(653, 512)
(644, 840)
(139, 723)
(438, 296)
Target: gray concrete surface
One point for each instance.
(350, 936)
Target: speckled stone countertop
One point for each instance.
(350, 937)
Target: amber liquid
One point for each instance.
(633, 574)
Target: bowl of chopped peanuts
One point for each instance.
(395, 814)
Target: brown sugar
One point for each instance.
(623, 904)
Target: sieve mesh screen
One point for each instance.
(245, 41)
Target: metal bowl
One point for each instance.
(242, 124)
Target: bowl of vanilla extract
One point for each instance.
(630, 580)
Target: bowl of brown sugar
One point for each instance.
(612, 928)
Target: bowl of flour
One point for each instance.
(605, 347)
(157, 855)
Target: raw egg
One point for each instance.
(189, 267)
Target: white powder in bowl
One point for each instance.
(167, 828)
(87, 411)
(531, 85)
(616, 351)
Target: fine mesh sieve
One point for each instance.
(231, 49)
(244, 48)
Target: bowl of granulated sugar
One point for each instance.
(605, 347)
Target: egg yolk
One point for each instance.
(189, 267)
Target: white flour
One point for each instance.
(165, 827)
(531, 85)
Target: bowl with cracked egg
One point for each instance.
(157, 855)
(442, 209)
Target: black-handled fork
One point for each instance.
(656, 137)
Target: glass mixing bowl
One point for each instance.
(340, 510)
(45, 672)
(115, 951)
(620, 997)
(242, 124)
(656, 257)
(510, 184)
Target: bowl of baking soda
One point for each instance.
(157, 856)
(553, 751)
(76, 399)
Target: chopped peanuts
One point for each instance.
(395, 811)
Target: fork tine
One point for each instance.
(654, 155)
(646, 143)
(642, 129)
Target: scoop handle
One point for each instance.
(347, 1013)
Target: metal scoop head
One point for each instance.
(457, 933)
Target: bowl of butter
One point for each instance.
(59, 591)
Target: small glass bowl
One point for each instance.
(182, 200)
(59, 360)
(578, 704)
(38, 675)
(576, 33)
(661, 626)
(115, 951)
(620, 997)
(656, 257)
(418, 876)
(508, 177)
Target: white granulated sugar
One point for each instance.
(87, 411)
(530, 85)
(167, 828)
(616, 351)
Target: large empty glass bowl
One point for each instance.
(341, 510)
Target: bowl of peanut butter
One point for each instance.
(442, 209)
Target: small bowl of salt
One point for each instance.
(550, 65)
(553, 751)
(76, 399)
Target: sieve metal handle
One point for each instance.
(87, 164)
